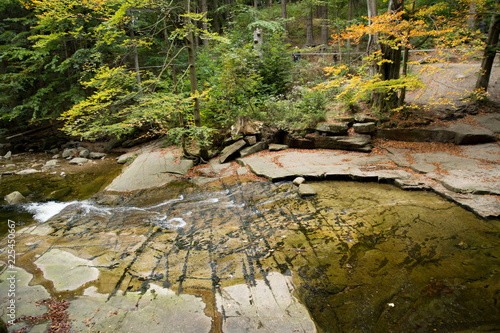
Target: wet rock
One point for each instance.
(15, 198)
(360, 142)
(59, 194)
(78, 160)
(277, 147)
(364, 128)
(253, 149)
(68, 152)
(95, 155)
(230, 150)
(27, 172)
(333, 128)
(306, 190)
(84, 153)
(299, 180)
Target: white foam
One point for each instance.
(45, 210)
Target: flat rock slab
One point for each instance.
(265, 307)
(457, 133)
(231, 150)
(306, 190)
(150, 169)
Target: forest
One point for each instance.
(186, 70)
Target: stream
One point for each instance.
(364, 257)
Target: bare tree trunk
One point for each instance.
(324, 26)
(471, 18)
(490, 50)
(309, 27)
(204, 24)
(372, 39)
(192, 68)
(348, 44)
(283, 14)
(216, 20)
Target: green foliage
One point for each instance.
(303, 108)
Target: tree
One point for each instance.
(489, 51)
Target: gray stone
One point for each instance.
(364, 128)
(78, 160)
(277, 147)
(250, 139)
(180, 168)
(230, 150)
(56, 156)
(306, 190)
(84, 153)
(299, 180)
(51, 163)
(300, 143)
(68, 152)
(333, 128)
(15, 198)
(364, 119)
(128, 157)
(491, 122)
(27, 172)
(253, 149)
(460, 134)
(54, 151)
(360, 142)
(95, 155)
(241, 171)
(8, 155)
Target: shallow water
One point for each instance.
(364, 257)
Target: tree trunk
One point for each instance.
(471, 18)
(324, 26)
(372, 39)
(204, 24)
(192, 68)
(309, 27)
(489, 52)
(387, 99)
(216, 20)
(348, 44)
(283, 13)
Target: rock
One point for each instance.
(59, 194)
(84, 153)
(306, 190)
(299, 180)
(253, 149)
(241, 171)
(94, 155)
(333, 128)
(125, 158)
(8, 155)
(364, 119)
(180, 168)
(300, 143)
(360, 142)
(27, 172)
(70, 144)
(68, 152)
(15, 198)
(250, 139)
(78, 160)
(51, 163)
(364, 128)
(56, 156)
(460, 134)
(54, 151)
(277, 147)
(230, 150)
(491, 122)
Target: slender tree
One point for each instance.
(489, 51)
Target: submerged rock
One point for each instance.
(15, 198)
(306, 190)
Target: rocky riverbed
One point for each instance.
(226, 247)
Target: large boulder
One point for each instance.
(245, 126)
(259, 146)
